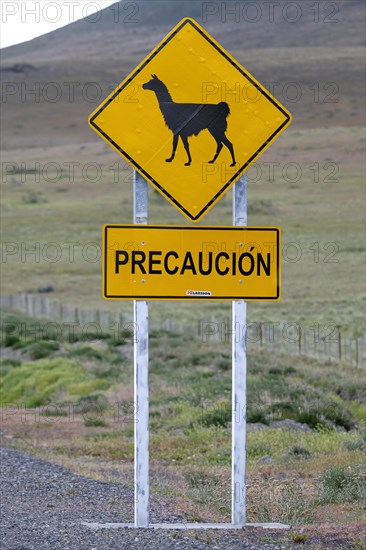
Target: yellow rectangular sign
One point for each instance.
(157, 262)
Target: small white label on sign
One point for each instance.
(198, 293)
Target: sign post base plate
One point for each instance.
(187, 526)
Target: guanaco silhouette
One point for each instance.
(189, 119)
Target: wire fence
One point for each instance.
(286, 338)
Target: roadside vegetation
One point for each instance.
(71, 400)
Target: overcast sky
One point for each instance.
(23, 20)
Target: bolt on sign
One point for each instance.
(190, 119)
(194, 263)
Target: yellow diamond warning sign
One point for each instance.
(190, 119)
(191, 263)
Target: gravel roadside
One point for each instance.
(43, 506)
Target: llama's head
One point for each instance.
(155, 84)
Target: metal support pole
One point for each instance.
(141, 364)
(239, 373)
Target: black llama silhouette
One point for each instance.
(189, 119)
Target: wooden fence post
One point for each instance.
(350, 351)
(299, 342)
(339, 346)
(260, 336)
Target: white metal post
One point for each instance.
(141, 377)
(239, 373)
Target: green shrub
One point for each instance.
(42, 349)
(8, 328)
(21, 344)
(37, 382)
(93, 336)
(310, 418)
(87, 387)
(300, 538)
(298, 451)
(198, 478)
(219, 415)
(8, 364)
(196, 359)
(256, 415)
(107, 371)
(123, 337)
(86, 352)
(338, 414)
(260, 206)
(54, 410)
(289, 370)
(343, 484)
(284, 501)
(32, 197)
(117, 359)
(358, 544)
(95, 423)
(87, 403)
(222, 363)
(275, 370)
(355, 444)
(259, 449)
(326, 414)
(10, 340)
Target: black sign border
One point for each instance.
(190, 228)
(146, 174)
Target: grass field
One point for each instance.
(324, 221)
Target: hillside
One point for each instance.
(60, 65)
(131, 28)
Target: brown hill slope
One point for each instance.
(47, 95)
(131, 28)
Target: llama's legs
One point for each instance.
(229, 145)
(175, 143)
(219, 147)
(186, 147)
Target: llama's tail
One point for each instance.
(224, 108)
